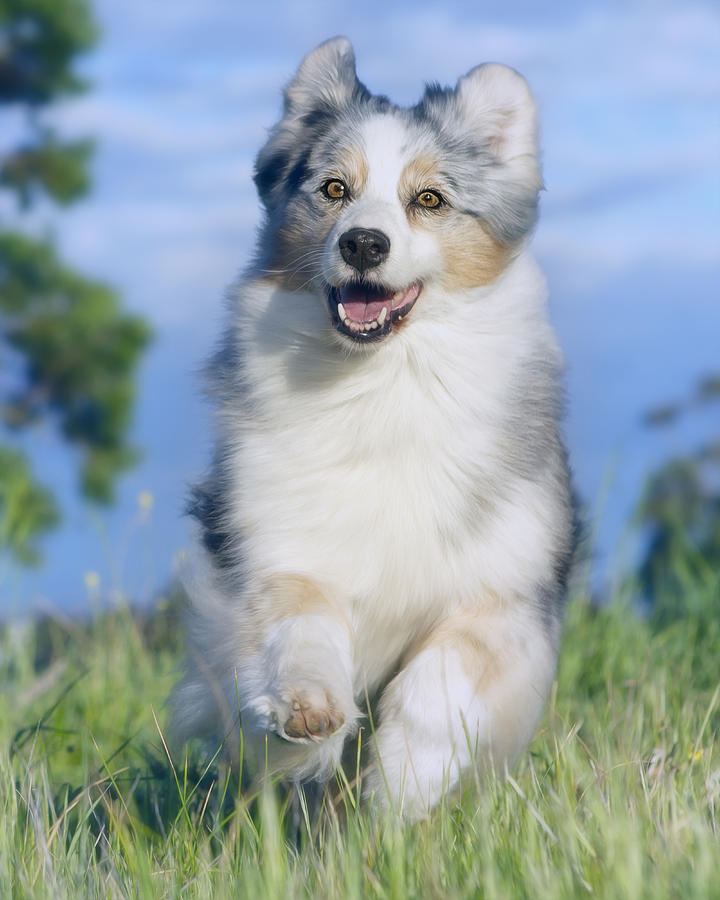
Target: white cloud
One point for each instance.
(178, 130)
(593, 253)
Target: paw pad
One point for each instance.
(312, 721)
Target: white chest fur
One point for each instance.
(384, 474)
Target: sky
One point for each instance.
(629, 237)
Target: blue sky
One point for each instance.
(629, 235)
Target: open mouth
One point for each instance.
(367, 312)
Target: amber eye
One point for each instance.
(334, 189)
(429, 199)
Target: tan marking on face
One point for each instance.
(297, 253)
(296, 256)
(353, 170)
(472, 256)
(419, 174)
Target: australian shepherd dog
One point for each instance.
(386, 528)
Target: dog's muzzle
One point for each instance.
(367, 312)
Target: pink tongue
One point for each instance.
(364, 304)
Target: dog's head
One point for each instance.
(370, 205)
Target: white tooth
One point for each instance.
(346, 323)
(400, 318)
(374, 324)
(383, 315)
(342, 315)
(398, 295)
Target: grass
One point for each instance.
(618, 795)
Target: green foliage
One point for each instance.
(79, 355)
(71, 350)
(26, 510)
(48, 166)
(680, 513)
(617, 796)
(39, 43)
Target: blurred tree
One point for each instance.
(680, 510)
(67, 352)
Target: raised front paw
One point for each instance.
(302, 714)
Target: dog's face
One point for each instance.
(371, 206)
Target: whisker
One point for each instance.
(315, 254)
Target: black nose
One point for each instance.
(364, 248)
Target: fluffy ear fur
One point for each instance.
(324, 84)
(326, 77)
(496, 101)
(496, 105)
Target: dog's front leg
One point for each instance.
(470, 695)
(297, 673)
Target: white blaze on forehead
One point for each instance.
(388, 147)
(387, 152)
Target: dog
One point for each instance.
(387, 525)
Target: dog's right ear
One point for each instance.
(324, 84)
(325, 79)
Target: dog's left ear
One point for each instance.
(497, 104)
